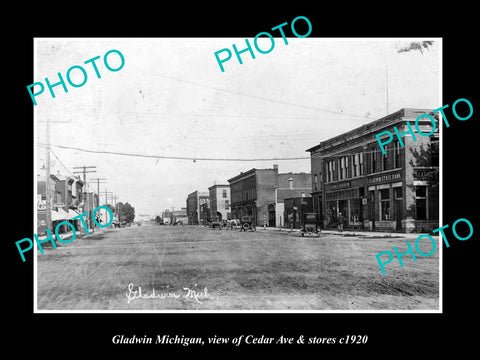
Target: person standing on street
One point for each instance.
(340, 222)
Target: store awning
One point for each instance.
(56, 216)
(72, 213)
(63, 214)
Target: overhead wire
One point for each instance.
(173, 157)
(199, 158)
(259, 97)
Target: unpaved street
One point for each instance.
(197, 268)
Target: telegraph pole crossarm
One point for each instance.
(84, 172)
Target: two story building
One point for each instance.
(219, 196)
(198, 205)
(393, 191)
(261, 192)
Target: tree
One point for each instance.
(111, 207)
(127, 212)
(425, 159)
(417, 45)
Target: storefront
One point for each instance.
(349, 203)
(385, 201)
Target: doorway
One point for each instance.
(271, 215)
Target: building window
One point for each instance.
(385, 204)
(421, 202)
(360, 161)
(398, 192)
(396, 154)
(385, 158)
(342, 168)
(330, 171)
(315, 182)
(355, 164)
(348, 171)
(224, 193)
(374, 161)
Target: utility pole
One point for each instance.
(98, 180)
(84, 172)
(48, 190)
(107, 195)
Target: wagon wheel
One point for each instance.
(246, 226)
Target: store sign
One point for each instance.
(422, 173)
(41, 203)
(384, 178)
(340, 185)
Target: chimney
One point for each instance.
(275, 167)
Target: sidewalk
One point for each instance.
(68, 235)
(350, 233)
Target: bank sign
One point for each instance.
(384, 178)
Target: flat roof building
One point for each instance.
(219, 202)
(394, 191)
(197, 207)
(261, 192)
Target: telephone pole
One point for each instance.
(48, 191)
(107, 195)
(84, 172)
(99, 181)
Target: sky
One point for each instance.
(171, 99)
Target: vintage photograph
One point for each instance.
(170, 179)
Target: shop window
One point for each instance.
(398, 192)
(385, 204)
(421, 202)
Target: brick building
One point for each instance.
(261, 193)
(396, 191)
(198, 207)
(219, 202)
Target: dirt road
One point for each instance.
(197, 268)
